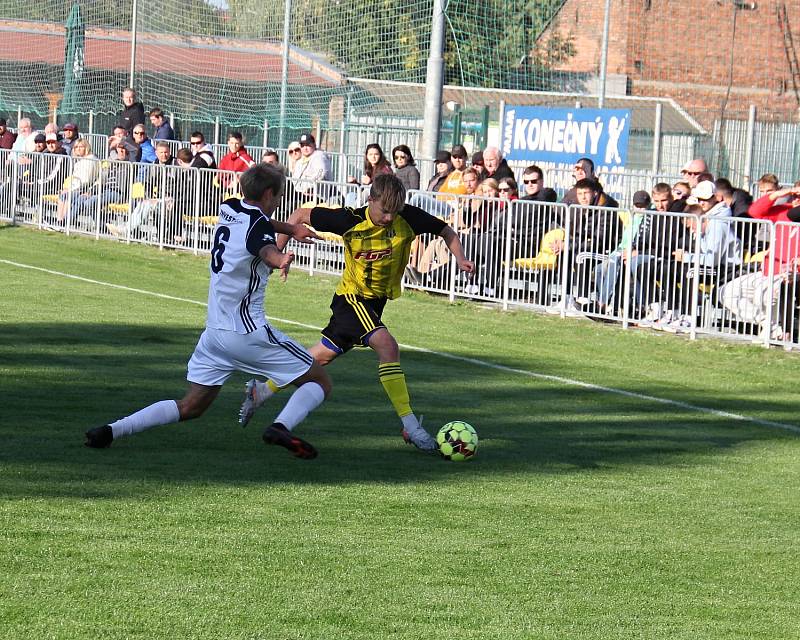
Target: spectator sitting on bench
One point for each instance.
(749, 297)
(85, 170)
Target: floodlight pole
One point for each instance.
(601, 98)
(287, 23)
(133, 43)
(434, 82)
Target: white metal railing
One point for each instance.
(728, 277)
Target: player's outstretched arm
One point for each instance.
(299, 232)
(297, 222)
(453, 243)
(277, 259)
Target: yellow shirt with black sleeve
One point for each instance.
(375, 257)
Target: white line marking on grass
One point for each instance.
(450, 356)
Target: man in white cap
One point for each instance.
(312, 166)
(705, 194)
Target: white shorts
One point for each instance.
(266, 352)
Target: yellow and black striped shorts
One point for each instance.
(353, 320)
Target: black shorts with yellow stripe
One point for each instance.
(354, 319)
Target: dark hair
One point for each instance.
(587, 164)
(403, 148)
(157, 112)
(259, 179)
(184, 155)
(512, 184)
(705, 176)
(236, 135)
(534, 168)
(389, 192)
(382, 161)
(587, 183)
(198, 134)
(723, 186)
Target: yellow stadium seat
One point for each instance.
(52, 198)
(137, 193)
(546, 258)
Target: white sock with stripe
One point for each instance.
(163, 412)
(303, 401)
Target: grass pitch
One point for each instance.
(586, 514)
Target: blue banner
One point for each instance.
(550, 134)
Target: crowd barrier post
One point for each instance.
(512, 212)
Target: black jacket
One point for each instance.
(129, 117)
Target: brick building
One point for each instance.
(713, 57)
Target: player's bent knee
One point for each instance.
(316, 374)
(383, 343)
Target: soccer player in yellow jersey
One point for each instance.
(377, 241)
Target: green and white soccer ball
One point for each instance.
(457, 441)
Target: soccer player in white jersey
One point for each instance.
(237, 336)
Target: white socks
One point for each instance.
(410, 422)
(303, 401)
(164, 412)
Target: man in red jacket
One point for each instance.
(750, 297)
(237, 160)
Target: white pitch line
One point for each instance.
(450, 356)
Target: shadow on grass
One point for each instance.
(66, 378)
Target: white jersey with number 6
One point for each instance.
(238, 275)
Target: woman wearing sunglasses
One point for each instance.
(405, 167)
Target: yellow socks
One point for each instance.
(394, 382)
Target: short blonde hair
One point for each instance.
(83, 142)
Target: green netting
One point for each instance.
(202, 62)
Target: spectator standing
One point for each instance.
(162, 127)
(312, 167)
(496, 166)
(202, 153)
(71, 134)
(7, 137)
(133, 111)
(405, 167)
(533, 184)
